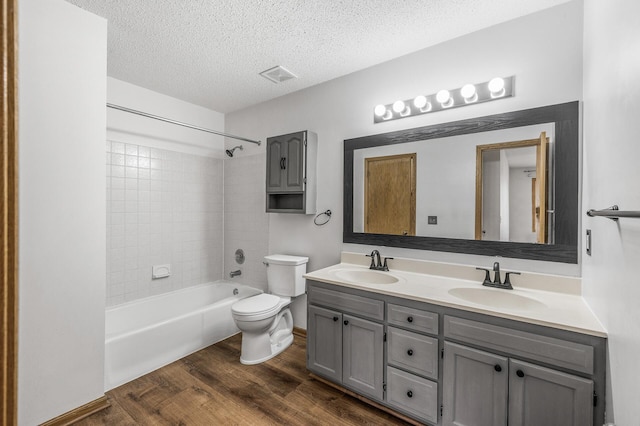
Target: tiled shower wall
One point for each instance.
(163, 207)
(246, 223)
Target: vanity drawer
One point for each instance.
(412, 394)
(415, 319)
(357, 305)
(413, 352)
(561, 353)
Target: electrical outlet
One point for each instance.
(432, 220)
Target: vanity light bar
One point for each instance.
(497, 88)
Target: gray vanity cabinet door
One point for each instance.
(541, 396)
(324, 343)
(474, 387)
(362, 362)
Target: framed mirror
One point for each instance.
(501, 185)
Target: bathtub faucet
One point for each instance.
(235, 273)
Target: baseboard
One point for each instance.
(300, 332)
(79, 413)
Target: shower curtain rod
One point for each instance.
(167, 120)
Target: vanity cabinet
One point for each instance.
(483, 388)
(343, 347)
(324, 342)
(443, 366)
(291, 173)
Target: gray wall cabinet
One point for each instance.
(291, 173)
(445, 366)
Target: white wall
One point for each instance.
(543, 51)
(134, 129)
(246, 224)
(611, 176)
(62, 91)
(520, 204)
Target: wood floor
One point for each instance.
(211, 387)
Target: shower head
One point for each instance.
(230, 151)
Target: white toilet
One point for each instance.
(265, 319)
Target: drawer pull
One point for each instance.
(335, 318)
(346, 322)
(410, 394)
(410, 352)
(410, 319)
(520, 373)
(497, 368)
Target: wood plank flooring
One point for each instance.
(211, 387)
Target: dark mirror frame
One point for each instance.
(566, 120)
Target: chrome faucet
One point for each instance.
(376, 262)
(497, 280)
(235, 273)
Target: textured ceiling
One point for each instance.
(209, 52)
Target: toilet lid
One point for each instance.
(256, 304)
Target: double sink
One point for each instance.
(488, 297)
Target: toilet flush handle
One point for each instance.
(265, 263)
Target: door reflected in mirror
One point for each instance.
(512, 191)
(390, 194)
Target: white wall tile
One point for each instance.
(164, 207)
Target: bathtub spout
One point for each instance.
(235, 273)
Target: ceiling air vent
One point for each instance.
(278, 74)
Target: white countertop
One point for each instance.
(561, 310)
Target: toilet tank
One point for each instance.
(284, 274)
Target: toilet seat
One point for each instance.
(259, 306)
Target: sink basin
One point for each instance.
(496, 298)
(366, 276)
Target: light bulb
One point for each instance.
(496, 87)
(468, 92)
(380, 110)
(445, 99)
(420, 101)
(398, 106)
(443, 96)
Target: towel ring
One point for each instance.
(325, 213)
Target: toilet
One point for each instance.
(265, 319)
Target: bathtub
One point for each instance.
(146, 334)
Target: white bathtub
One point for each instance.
(146, 334)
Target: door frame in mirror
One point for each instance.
(565, 118)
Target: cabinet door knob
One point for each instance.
(335, 318)
(410, 352)
(346, 322)
(520, 373)
(497, 368)
(410, 394)
(410, 319)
